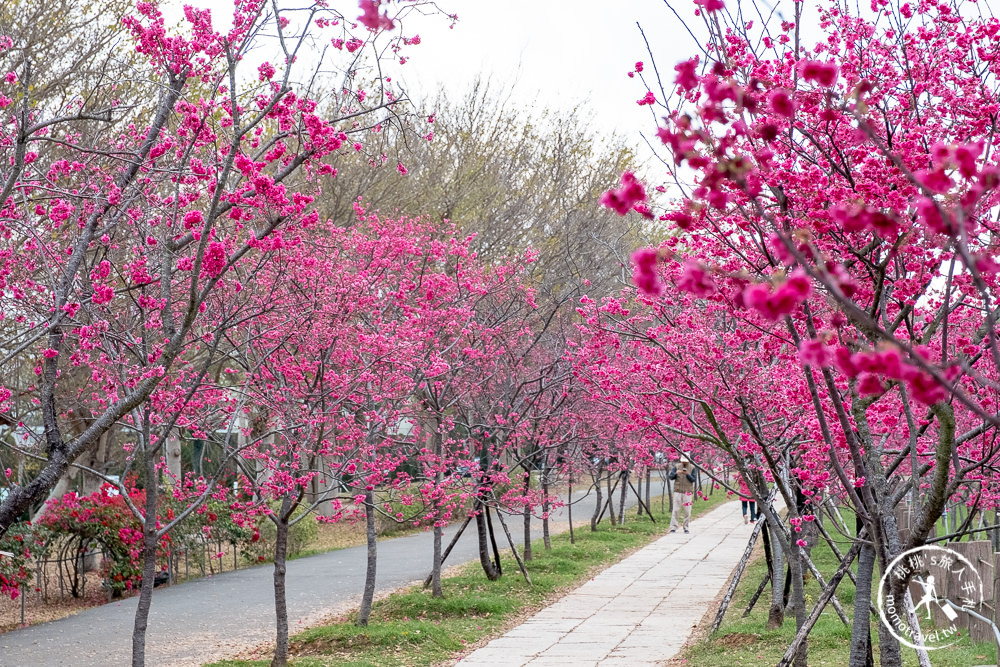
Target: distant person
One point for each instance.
(684, 475)
(748, 502)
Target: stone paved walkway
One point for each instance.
(637, 612)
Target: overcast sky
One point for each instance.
(559, 52)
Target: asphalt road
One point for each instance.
(205, 619)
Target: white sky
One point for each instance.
(560, 52)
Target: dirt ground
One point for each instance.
(38, 610)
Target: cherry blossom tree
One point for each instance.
(835, 203)
(138, 218)
(125, 217)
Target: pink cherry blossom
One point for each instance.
(813, 353)
(625, 198)
(372, 19)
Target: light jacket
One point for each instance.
(684, 483)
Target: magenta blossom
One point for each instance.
(649, 98)
(644, 272)
(625, 198)
(711, 6)
(696, 279)
(781, 102)
(813, 353)
(372, 19)
(815, 71)
(782, 301)
(687, 78)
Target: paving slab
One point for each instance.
(639, 611)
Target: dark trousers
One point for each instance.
(753, 508)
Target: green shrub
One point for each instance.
(213, 522)
(390, 509)
(300, 535)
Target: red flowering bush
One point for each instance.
(103, 520)
(15, 568)
(75, 524)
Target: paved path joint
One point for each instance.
(639, 611)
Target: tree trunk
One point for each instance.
(621, 502)
(172, 453)
(890, 653)
(436, 565)
(569, 510)
(786, 597)
(649, 481)
(438, 529)
(527, 518)
(148, 566)
(638, 493)
(489, 568)
(372, 537)
(545, 509)
(284, 513)
(493, 540)
(798, 604)
(776, 612)
(669, 494)
(451, 545)
(611, 502)
(598, 506)
(828, 592)
(198, 457)
(861, 633)
(766, 537)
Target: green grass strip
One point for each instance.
(744, 641)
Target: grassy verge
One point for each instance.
(410, 628)
(744, 641)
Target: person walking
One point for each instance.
(748, 502)
(684, 475)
